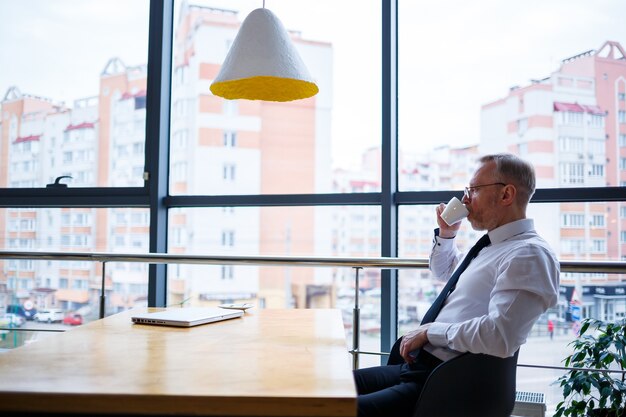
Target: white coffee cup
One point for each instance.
(454, 212)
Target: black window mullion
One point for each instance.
(73, 197)
(542, 195)
(389, 179)
(265, 200)
(157, 139)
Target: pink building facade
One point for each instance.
(572, 126)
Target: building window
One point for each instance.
(598, 246)
(227, 272)
(82, 219)
(179, 171)
(522, 126)
(138, 148)
(81, 240)
(229, 172)
(573, 246)
(623, 236)
(572, 173)
(622, 212)
(572, 220)
(138, 241)
(120, 218)
(597, 170)
(571, 144)
(79, 284)
(596, 120)
(597, 220)
(621, 116)
(622, 139)
(121, 150)
(621, 96)
(622, 163)
(63, 283)
(572, 118)
(228, 238)
(179, 139)
(177, 237)
(230, 139)
(140, 219)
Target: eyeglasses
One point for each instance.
(469, 191)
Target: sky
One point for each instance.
(455, 55)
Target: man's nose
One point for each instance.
(465, 199)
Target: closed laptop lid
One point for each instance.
(186, 316)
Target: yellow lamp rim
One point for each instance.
(264, 87)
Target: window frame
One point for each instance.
(154, 193)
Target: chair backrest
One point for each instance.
(470, 385)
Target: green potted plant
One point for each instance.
(600, 346)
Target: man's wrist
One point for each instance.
(447, 237)
(425, 333)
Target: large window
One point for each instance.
(286, 148)
(72, 286)
(78, 112)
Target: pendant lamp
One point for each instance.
(263, 64)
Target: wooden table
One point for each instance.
(268, 363)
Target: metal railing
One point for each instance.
(609, 267)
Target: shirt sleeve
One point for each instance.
(444, 257)
(526, 286)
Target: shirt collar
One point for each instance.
(506, 231)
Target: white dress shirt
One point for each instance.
(498, 297)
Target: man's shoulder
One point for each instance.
(529, 243)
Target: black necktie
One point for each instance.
(435, 308)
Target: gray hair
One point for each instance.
(516, 171)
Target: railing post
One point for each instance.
(356, 330)
(102, 291)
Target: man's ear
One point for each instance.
(509, 194)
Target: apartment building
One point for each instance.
(571, 125)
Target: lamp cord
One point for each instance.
(264, 4)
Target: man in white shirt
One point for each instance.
(496, 300)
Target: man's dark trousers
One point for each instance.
(393, 390)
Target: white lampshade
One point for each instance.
(263, 64)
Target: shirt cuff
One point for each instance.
(443, 243)
(437, 334)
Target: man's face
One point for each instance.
(482, 201)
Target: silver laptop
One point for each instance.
(187, 316)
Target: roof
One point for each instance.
(27, 138)
(594, 110)
(578, 108)
(570, 107)
(141, 93)
(84, 125)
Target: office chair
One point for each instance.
(470, 385)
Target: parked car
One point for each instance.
(73, 319)
(28, 314)
(11, 320)
(50, 315)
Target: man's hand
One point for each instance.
(412, 341)
(445, 231)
